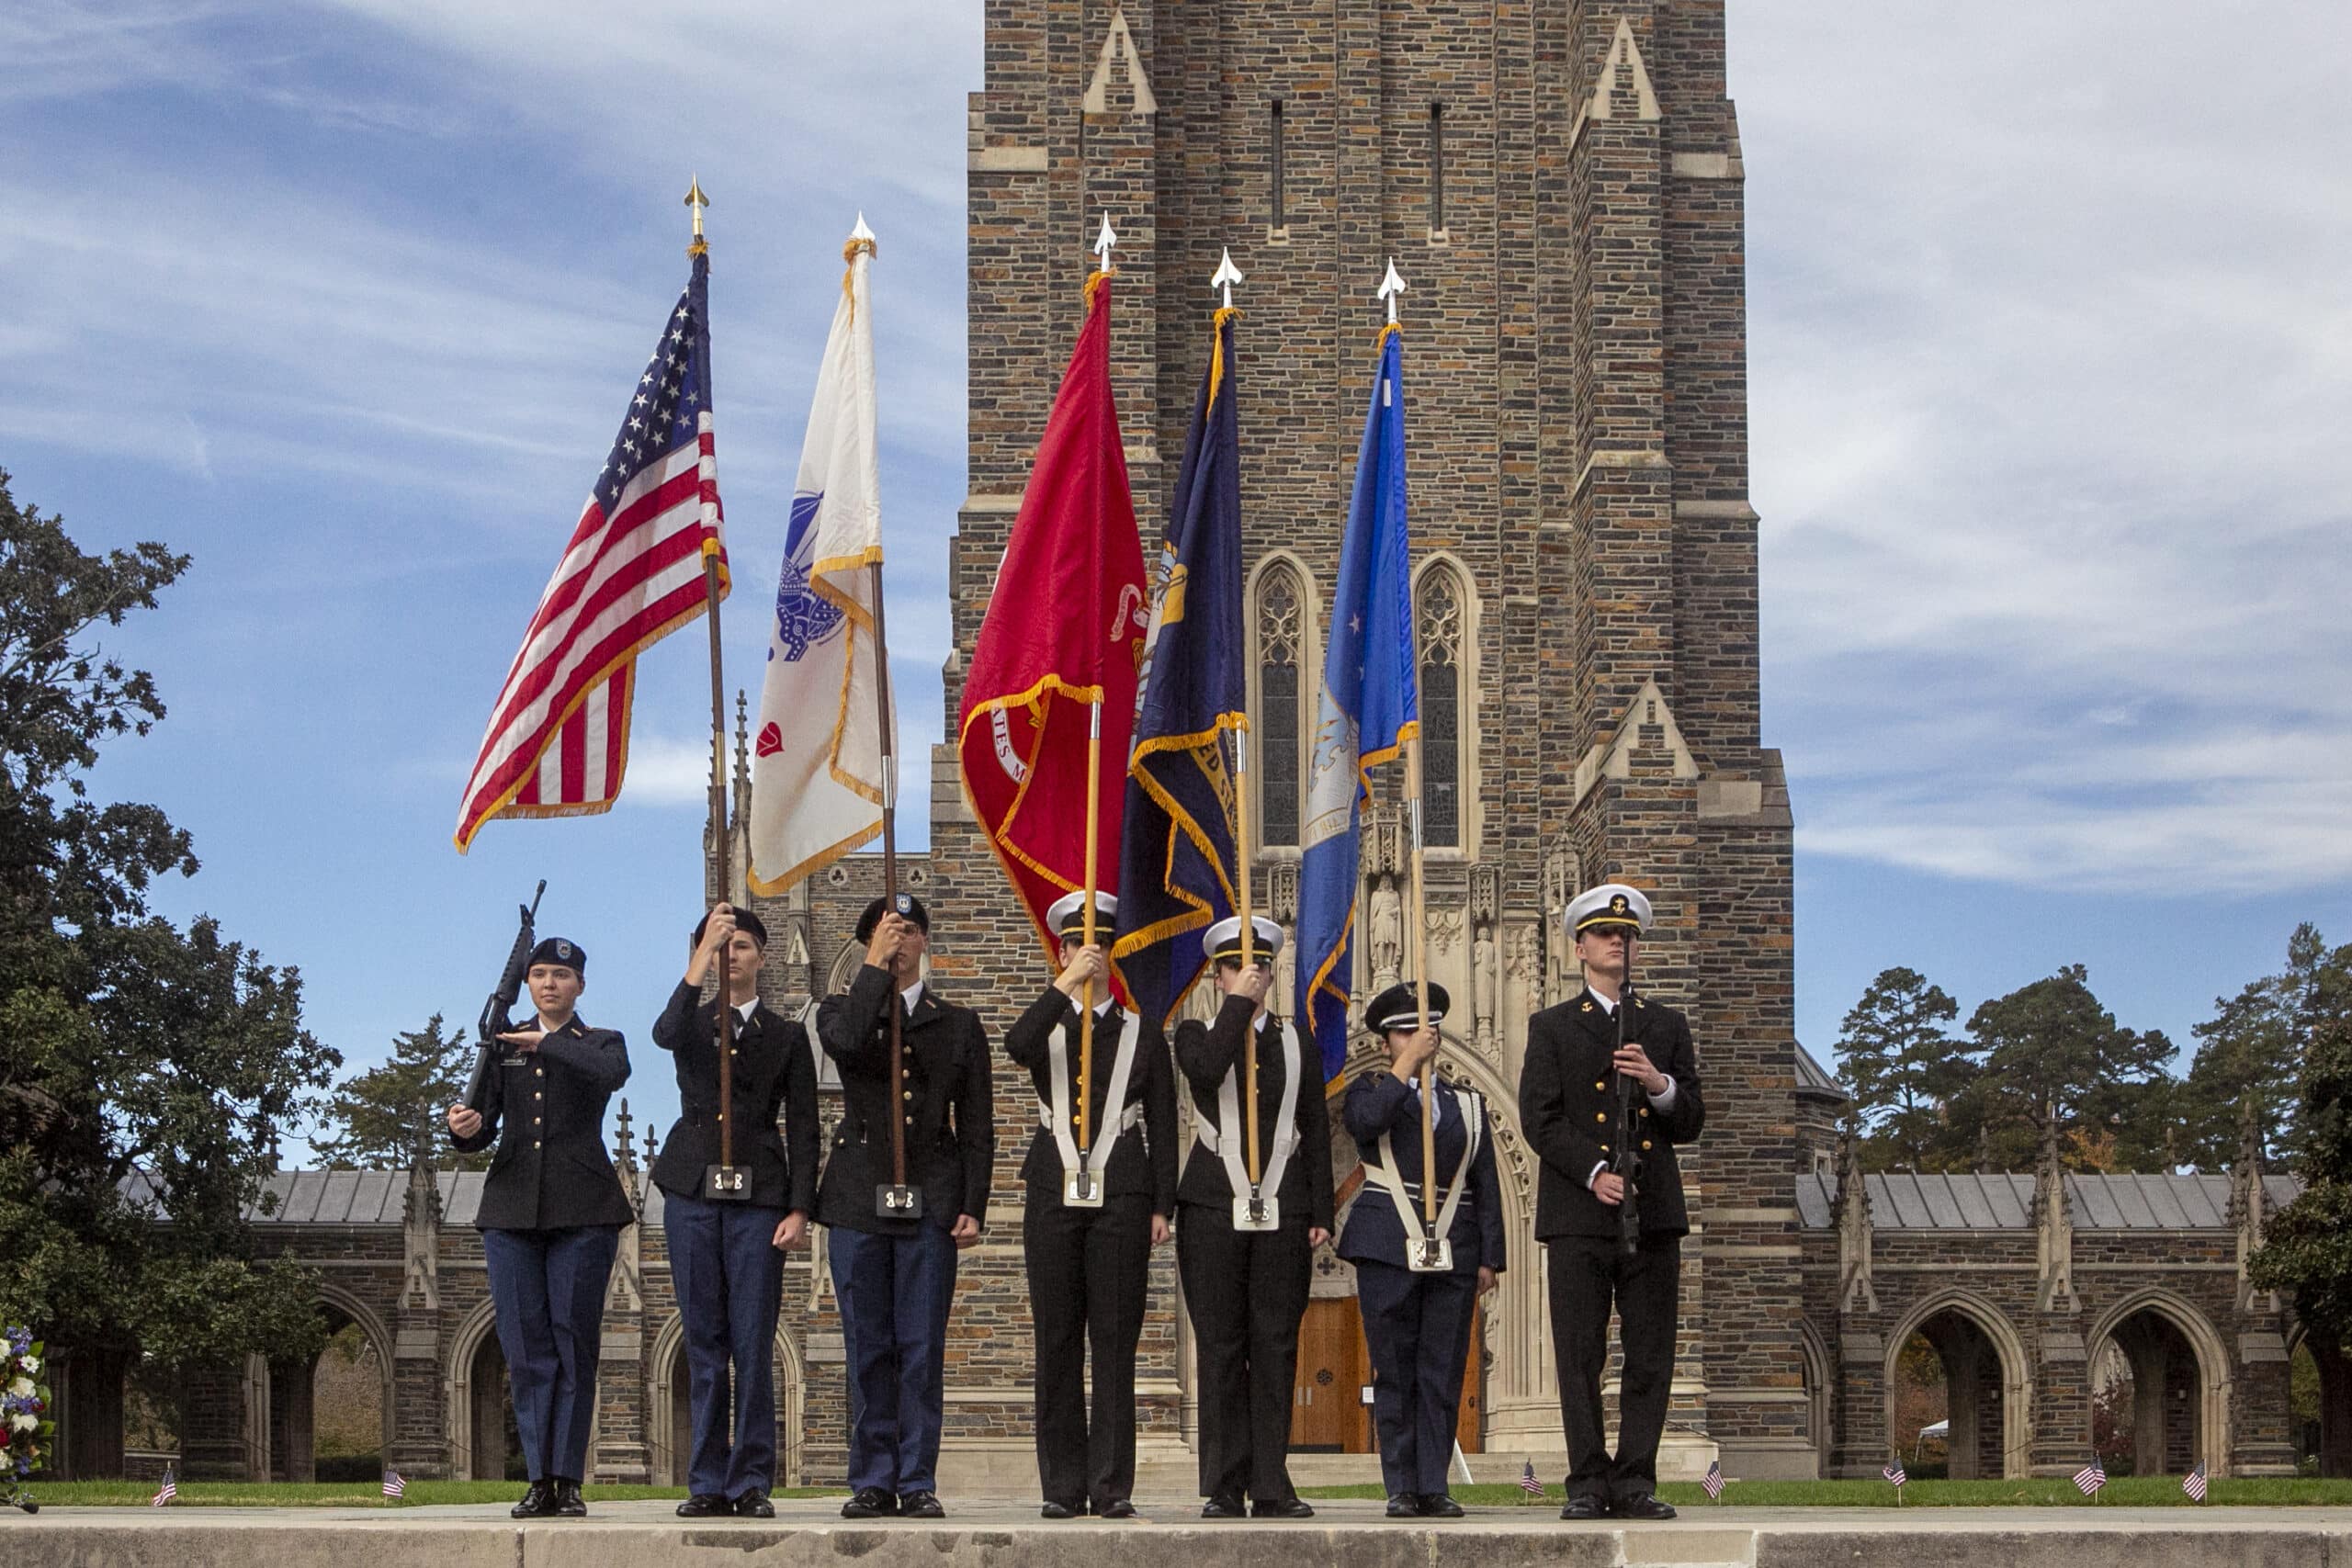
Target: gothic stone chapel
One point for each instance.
(1560, 184)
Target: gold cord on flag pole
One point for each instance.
(1086, 1014)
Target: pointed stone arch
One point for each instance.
(2210, 1437)
(372, 1326)
(2016, 1368)
(1446, 605)
(663, 1442)
(1283, 634)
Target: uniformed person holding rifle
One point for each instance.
(1249, 1215)
(1594, 1108)
(550, 1218)
(1418, 1305)
(905, 1190)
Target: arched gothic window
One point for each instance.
(1274, 755)
(1444, 661)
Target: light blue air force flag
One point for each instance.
(1369, 708)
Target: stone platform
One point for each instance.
(810, 1534)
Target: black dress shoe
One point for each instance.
(921, 1505)
(1645, 1507)
(702, 1506)
(870, 1503)
(1053, 1510)
(754, 1504)
(1116, 1508)
(1404, 1505)
(1224, 1509)
(569, 1503)
(538, 1502)
(1439, 1505)
(1584, 1505)
(1280, 1508)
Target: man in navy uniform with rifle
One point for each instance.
(551, 1210)
(1610, 1087)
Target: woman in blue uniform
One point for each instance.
(1418, 1299)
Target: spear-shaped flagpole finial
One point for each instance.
(1226, 275)
(1103, 242)
(861, 231)
(698, 201)
(1391, 287)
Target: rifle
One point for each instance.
(1626, 1163)
(495, 1018)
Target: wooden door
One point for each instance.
(1327, 1413)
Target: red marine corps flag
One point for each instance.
(632, 573)
(1059, 647)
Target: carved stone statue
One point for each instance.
(1285, 1001)
(1484, 969)
(1387, 935)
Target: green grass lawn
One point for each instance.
(2139, 1491)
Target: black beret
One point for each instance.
(561, 950)
(908, 906)
(745, 921)
(1399, 1007)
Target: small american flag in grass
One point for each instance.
(1714, 1481)
(393, 1484)
(2090, 1479)
(1527, 1481)
(2194, 1483)
(1892, 1470)
(166, 1492)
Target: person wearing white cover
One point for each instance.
(1245, 1257)
(1417, 1320)
(1095, 1211)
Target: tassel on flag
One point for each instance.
(2090, 1479)
(166, 1492)
(1527, 1481)
(1714, 1481)
(2194, 1483)
(393, 1484)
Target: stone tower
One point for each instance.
(1560, 185)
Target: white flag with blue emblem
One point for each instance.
(819, 757)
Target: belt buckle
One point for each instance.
(1257, 1213)
(725, 1183)
(893, 1201)
(1082, 1188)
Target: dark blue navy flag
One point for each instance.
(1176, 854)
(1369, 708)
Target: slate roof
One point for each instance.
(368, 1198)
(1814, 1078)
(1913, 1200)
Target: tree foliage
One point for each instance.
(2053, 1054)
(2250, 1051)
(1903, 1068)
(375, 1117)
(144, 1069)
(2307, 1250)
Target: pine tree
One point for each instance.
(380, 1116)
(1902, 1068)
(2051, 1050)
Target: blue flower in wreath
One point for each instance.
(804, 619)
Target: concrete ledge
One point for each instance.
(1350, 1534)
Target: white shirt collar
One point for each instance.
(912, 996)
(1607, 1005)
(745, 1010)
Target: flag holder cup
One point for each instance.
(1257, 1213)
(898, 1201)
(725, 1184)
(1430, 1255)
(1081, 1189)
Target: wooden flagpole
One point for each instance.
(890, 877)
(1086, 1013)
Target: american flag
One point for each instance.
(2194, 1483)
(2090, 1479)
(1892, 1470)
(557, 740)
(1714, 1482)
(1527, 1481)
(166, 1492)
(393, 1484)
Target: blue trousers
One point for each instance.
(730, 1281)
(548, 1287)
(1418, 1330)
(894, 1291)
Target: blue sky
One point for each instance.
(2051, 363)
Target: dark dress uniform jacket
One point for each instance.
(948, 1108)
(547, 1115)
(1205, 1054)
(1145, 1164)
(1377, 1103)
(772, 1070)
(1567, 1103)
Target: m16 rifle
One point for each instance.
(496, 1013)
(1625, 1164)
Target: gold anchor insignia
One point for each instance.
(1588, 1006)
(1617, 904)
